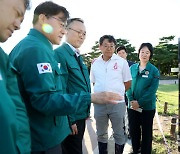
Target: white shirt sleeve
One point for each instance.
(126, 72)
(92, 78)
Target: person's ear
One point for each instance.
(100, 47)
(42, 19)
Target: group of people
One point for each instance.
(45, 94)
(35, 98)
(138, 83)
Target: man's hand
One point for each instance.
(134, 104)
(74, 129)
(105, 98)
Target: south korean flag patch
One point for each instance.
(44, 68)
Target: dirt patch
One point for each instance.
(158, 140)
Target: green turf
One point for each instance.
(167, 93)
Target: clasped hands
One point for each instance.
(134, 104)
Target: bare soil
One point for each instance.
(171, 139)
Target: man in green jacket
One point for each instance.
(39, 77)
(76, 79)
(14, 129)
(7, 113)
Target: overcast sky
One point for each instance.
(135, 20)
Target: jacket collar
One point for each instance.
(70, 49)
(34, 32)
(148, 67)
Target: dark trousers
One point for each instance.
(73, 143)
(55, 150)
(141, 130)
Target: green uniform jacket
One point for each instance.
(41, 87)
(144, 86)
(8, 128)
(75, 79)
(23, 141)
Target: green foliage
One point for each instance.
(166, 55)
(159, 146)
(168, 93)
(132, 56)
(89, 57)
(168, 77)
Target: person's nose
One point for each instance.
(17, 24)
(144, 55)
(63, 31)
(109, 48)
(82, 36)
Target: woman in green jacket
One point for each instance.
(142, 100)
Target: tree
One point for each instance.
(166, 55)
(132, 56)
(89, 57)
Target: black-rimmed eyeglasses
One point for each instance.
(62, 24)
(79, 32)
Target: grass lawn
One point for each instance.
(166, 93)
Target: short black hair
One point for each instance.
(27, 4)
(121, 48)
(69, 21)
(49, 9)
(149, 46)
(110, 38)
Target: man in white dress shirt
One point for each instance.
(110, 72)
